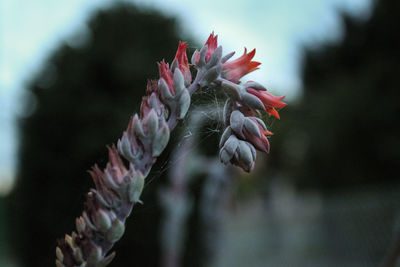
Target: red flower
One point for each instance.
(167, 75)
(236, 69)
(261, 143)
(182, 61)
(212, 44)
(270, 101)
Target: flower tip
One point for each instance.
(252, 54)
(212, 38)
(280, 103)
(182, 45)
(269, 133)
(265, 146)
(162, 64)
(272, 112)
(254, 65)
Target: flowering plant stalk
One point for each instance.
(167, 100)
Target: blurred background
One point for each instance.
(328, 194)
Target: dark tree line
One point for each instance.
(345, 131)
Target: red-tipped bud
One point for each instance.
(269, 101)
(236, 69)
(182, 62)
(166, 74)
(260, 141)
(212, 44)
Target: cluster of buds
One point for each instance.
(103, 220)
(147, 135)
(118, 188)
(167, 100)
(245, 131)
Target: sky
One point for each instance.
(31, 30)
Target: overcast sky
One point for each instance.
(30, 30)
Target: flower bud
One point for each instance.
(251, 101)
(269, 101)
(136, 187)
(215, 58)
(183, 104)
(125, 148)
(103, 220)
(166, 74)
(254, 85)
(160, 141)
(80, 225)
(195, 56)
(236, 122)
(69, 241)
(95, 255)
(179, 82)
(164, 89)
(116, 231)
(108, 179)
(205, 54)
(59, 254)
(245, 156)
(228, 149)
(225, 136)
(151, 122)
(252, 127)
(137, 126)
(181, 62)
(256, 133)
(201, 56)
(239, 153)
(88, 222)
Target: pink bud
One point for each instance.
(167, 75)
(182, 61)
(212, 44)
(261, 142)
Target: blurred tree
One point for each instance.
(84, 95)
(345, 131)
